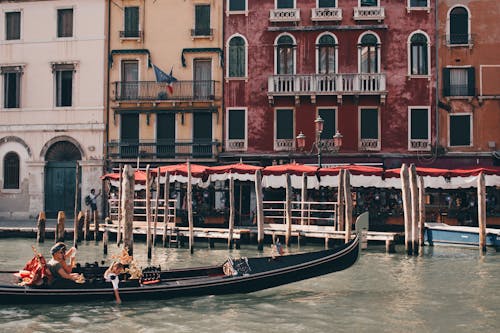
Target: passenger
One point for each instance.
(58, 267)
(112, 275)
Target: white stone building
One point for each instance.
(52, 112)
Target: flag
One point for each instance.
(169, 79)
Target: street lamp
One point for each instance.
(321, 145)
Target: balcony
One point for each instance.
(369, 13)
(167, 150)
(369, 144)
(326, 84)
(419, 145)
(236, 145)
(159, 91)
(284, 15)
(202, 33)
(326, 14)
(284, 144)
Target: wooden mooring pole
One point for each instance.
(96, 225)
(414, 208)
(127, 204)
(406, 195)
(481, 212)
(148, 211)
(40, 235)
(105, 235)
(348, 205)
(166, 196)
(421, 213)
(231, 213)
(260, 211)
(86, 225)
(190, 208)
(288, 209)
(59, 234)
(157, 206)
(340, 202)
(119, 208)
(75, 210)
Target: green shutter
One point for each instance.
(446, 82)
(471, 84)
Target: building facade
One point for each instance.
(365, 67)
(52, 111)
(165, 75)
(469, 94)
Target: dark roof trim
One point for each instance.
(130, 51)
(200, 50)
(163, 110)
(329, 27)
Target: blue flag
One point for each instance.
(161, 76)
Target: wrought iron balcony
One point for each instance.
(133, 34)
(162, 149)
(160, 91)
(199, 32)
(284, 15)
(326, 84)
(369, 13)
(326, 14)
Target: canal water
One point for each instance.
(444, 290)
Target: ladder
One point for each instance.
(173, 236)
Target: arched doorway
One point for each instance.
(60, 178)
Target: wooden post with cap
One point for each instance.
(40, 236)
(127, 204)
(260, 212)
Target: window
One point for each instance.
(327, 3)
(285, 4)
(458, 26)
(11, 171)
(129, 135)
(131, 22)
(459, 81)
(202, 135)
(64, 84)
(369, 49)
(237, 57)
(419, 54)
(284, 124)
(12, 25)
(329, 117)
(165, 135)
(419, 3)
(11, 86)
(65, 22)
(285, 55)
(202, 20)
(369, 130)
(327, 54)
(419, 124)
(460, 130)
(236, 124)
(130, 79)
(237, 5)
(368, 3)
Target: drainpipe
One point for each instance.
(108, 50)
(436, 43)
(223, 141)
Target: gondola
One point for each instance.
(243, 275)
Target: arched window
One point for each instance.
(237, 57)
(459, 26)
(419, 54)
(369, 54)
(11, 171)
(285, 55)
(327, 54)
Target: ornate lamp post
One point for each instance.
(320, 145)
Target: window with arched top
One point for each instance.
(11, 171)
(369, 54)
(419, 54)
(285, 55)
(459, 26)
(237, 57)
(326, 54)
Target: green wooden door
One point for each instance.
(60, 188)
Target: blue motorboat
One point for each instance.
(444, 234)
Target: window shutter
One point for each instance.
(446, 82)
(471, 83)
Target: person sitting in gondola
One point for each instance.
(57, 266)
(112, 274)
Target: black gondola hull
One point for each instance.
(264, 273)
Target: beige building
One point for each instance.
(170, 116)
(52, 66)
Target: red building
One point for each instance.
(366, 67)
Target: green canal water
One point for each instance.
(444, 290)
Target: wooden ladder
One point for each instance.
(173, 236)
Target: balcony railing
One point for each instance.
(369, 13)
(236, 145)
(135, 34)
(284, 15)
(159, 91)
(458, 39)
(369, 144)
(326, 14)
(284, 144)
(196, 32)
(162, 149)
(420, 144)
(326, 84)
